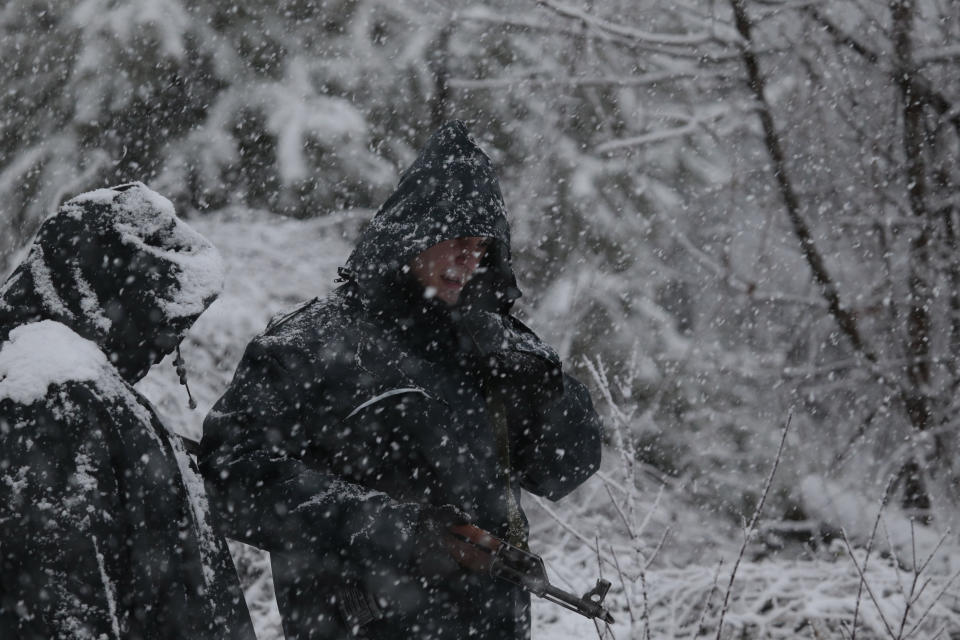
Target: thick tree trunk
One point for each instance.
(915, 495)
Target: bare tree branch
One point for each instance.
(753, 521)
(828, 288)
(532, 80)
(863, 581)
(635, 34)
(922, 87)
(873, 535)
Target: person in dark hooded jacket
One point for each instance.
(104, 530)
(358, 429)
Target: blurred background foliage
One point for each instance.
(740, 208)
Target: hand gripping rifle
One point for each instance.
(484, 552)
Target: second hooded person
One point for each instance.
(359, 428)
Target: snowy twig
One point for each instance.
(706, 605)
(616, 506)
(873, 534)
(647, 469)
(863, 581)
(623, 583)
(943, 538)
(596, 623)
(556, 518)
(910, 598)
(553, 514)
(645, 616)
(656, 550)
(596, 546)
(693, 125)
(650, 511)
(631, 33)
(753, 522)
(531, 81)
(937, 599)
(627, 511)
(621, 430)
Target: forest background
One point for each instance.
(736, 219)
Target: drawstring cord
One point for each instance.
(182, 373)
(343, 275)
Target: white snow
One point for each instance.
(149, 223)
(831, 503)
(86, 473)
(303, 115)
(199, 507)
(6, 286)
(97, 196)
(46, 353)
(17, 482)
(44, 284)
(90, 303)
(109, 588)
(200, 279)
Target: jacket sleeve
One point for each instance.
(58, 502)
(272, 457)
(555, 434)
(557, 441)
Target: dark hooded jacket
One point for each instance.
(104, 530)
(351, 418)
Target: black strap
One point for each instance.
(189, 444)
(357, 605)
(496, 407)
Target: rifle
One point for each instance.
(510, 563)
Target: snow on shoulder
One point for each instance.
(46, 353)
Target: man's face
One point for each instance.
(445, 268)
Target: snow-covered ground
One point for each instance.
(669, 559)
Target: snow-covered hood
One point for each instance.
(450, 191)
(120, 269)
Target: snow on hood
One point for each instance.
(120, 269)
(147, 222)
(450, 191)
(46, 353)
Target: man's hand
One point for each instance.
(471, 547)
(513, 356)
(432, 557)
(446, 540)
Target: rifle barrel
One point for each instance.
(575, 603)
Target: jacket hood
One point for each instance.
(450, 191)
(120, 269)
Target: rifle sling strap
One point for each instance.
(496, 408)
